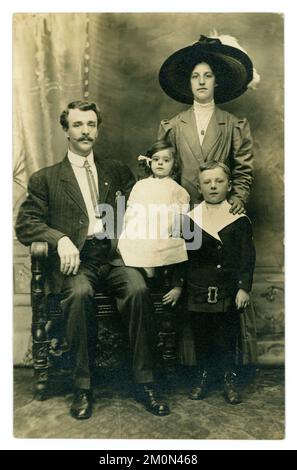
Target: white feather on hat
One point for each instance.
(233, 42)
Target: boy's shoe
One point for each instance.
(231, 392)
(199, 390)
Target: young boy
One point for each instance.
(219, 279)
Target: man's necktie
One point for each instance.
(93, 189)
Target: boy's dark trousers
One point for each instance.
(215, 336)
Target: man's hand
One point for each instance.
(242, 299)
(237, 205)
(69, 256)
(172, 296)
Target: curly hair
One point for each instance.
(82, 106)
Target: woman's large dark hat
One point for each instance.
(232, 67)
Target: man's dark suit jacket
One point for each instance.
(55, 207)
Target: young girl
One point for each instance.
(149, 239)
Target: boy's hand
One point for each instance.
(237, 205)
(172, 296)
(242, 299)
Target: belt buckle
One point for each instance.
(212, 297)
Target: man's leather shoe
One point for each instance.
(81, 407)
(199, 390)
(231, 393)
(146, 395)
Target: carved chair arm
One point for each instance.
(38, 251)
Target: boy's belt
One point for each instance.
(210, 294)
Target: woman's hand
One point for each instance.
(242, 299)
(237, 205)
(172, 296)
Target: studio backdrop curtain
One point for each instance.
(50, 68)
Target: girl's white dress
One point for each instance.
(147, 239)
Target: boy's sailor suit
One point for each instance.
(222, 265)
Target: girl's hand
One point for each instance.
(242, 299)
(172, 296)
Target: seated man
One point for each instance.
(64, 209)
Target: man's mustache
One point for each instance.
(81, 139)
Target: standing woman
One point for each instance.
(212, 71)
(204, 74)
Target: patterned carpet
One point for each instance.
(117, 416)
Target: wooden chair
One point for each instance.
(47, 326)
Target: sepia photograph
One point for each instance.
(148, 225)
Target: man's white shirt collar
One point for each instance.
(78, 160)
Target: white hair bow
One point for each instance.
(146, 159)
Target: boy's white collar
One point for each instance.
(214, 221)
